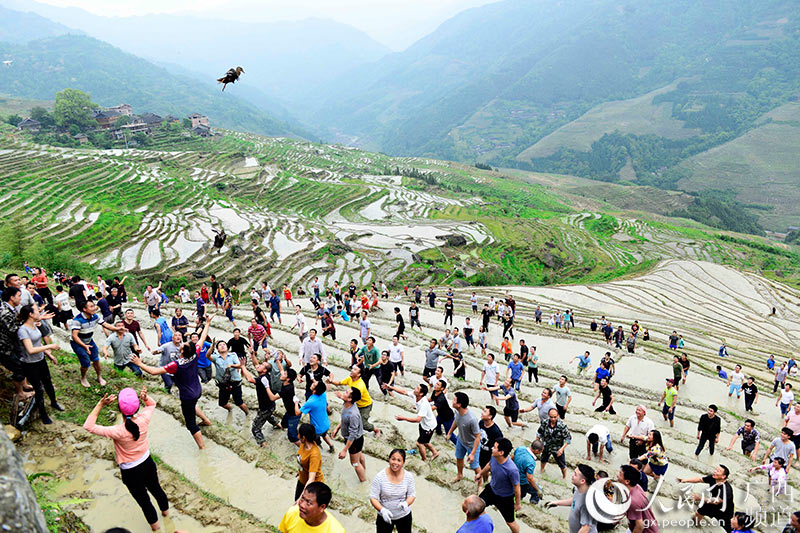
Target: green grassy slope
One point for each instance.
(21, 106)
(635, 115)
(541, 229)
(762, 167)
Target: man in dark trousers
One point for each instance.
(708, 430)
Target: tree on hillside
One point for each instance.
(121, 121)
(14, 119)
(74, 107)
(43, 116)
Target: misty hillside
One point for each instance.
(494, 80)
(43, 67)
(19, 27)
(281, 59)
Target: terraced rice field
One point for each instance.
(288, 206)
(707, 303)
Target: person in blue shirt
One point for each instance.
(771, 362)
(525, 460)
(200, 305)
(790, 363)
(742, 523)
(163, 330)
(203, 364)
(601, 373)
(504, 488)
(723, 350)
(317, 409)
(721, 373)
(584, 362)
(275, 307)
(515, 369)
(477, 520)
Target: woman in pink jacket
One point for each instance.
(133, 453)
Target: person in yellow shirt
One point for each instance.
(309, 514)
(670, 400)
(365, 403)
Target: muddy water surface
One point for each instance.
(98, 480)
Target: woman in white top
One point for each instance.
(392, 493)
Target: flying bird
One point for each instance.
(231, 76)
(8, 62)
(219, 238)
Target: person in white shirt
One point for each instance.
(61, 301)
(300, 323)
(102, 286)
(396, 356)
(312, 346)
(455, 341)
(735, 381)
(489, 375)
(598, 439)
(266, 291)
(636, 429)
(425, 417)
(184, 295)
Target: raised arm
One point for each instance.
(153, 371)
(204, 333)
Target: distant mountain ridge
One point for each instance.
(43, 67)
(20, 27)
(493, 80)
(283, 60)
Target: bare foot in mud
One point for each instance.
(102, 383)
(204, 423)
(434, 456)
(85, 383)
(458, 478)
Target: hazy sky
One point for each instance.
(395, 23)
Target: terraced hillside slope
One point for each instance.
(291, 207)
(707, 303)
(760, 167)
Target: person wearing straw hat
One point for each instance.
(132, 450)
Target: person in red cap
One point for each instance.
(138, 470)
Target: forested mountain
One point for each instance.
(43, 67)
(493, 80)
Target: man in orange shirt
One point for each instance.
(506, 348)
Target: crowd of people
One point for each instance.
(504, 473)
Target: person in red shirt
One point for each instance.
(640, 514)
(287, 296)
(40, 281)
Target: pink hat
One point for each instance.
(128, 401)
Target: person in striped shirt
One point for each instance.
(82, 342)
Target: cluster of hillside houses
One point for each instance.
(108, 118)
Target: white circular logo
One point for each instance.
(607, 501)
